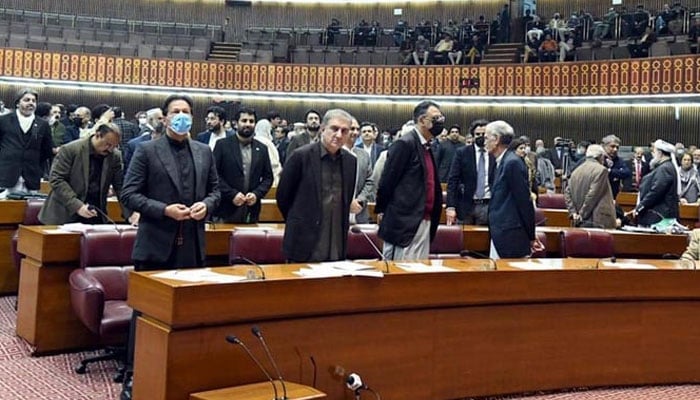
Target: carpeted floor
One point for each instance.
(23, 377)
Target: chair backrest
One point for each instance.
(543, 239)
(551, 200)
(582, 243)
(31, 212)
(107, 248)
(448, 242)
(359, 248)
(540, 218)
(258, 245)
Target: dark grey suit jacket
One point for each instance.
(69, 182)
(152, 183)
(511, 212)
(23, 154)
(401, 194)
(299, 200)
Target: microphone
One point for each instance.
(356, 230)
(105, 216)
(235, 340)
(254, 264)
(257, 333)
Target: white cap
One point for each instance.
(664, 146)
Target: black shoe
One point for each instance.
(126, 389)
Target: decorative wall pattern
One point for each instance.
(671, 75)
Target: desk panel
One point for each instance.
(424, 336)
(11, 215)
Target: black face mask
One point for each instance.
(159, 128)
(437, 128)
(480, 141)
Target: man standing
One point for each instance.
(216, 119)
(364, 185)
(638, 167)
(409, 198)
(265, 126)
(368, 134)
(153, 130)
(25, 144)
(470, 181)
(447, 150)
(245, 173)
(588, 195)
(79, 123)
(172, 183)
(617, 170)
(313, 124)
(511, 213)
(128, 129)
(315, 192)
(95, 158)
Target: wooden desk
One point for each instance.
(259, 391)
(627, 244)
(45, 317)
(423, 336)
(11, 215)
(688, 214)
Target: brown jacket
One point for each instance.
(589, 195)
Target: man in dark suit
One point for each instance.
(364, 184)
(245, 173)
(95, 158)
(216, 119)
(470, 179)
(315, 192)
(511, 212)
(25, 144)
(313, 125)
(409, 198)
(172, 183)
(618, 170)
(128, 129)
(368, 134)
(153, 130)
(639, 167)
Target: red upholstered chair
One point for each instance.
(261, 246)
(551, 200)
(31, 217)
(543, 238)
(359, 248)
(540, 219)
(448, 242)
(99, 292)
(582, 243)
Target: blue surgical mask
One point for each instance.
(181, 123)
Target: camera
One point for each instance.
(569, 143)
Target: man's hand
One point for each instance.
(134, 218)
(85, 212)
(239, 199)
(355, 206)
(536, 245)
(379, 218)
(450, 216)
(250, 199)
(198, 211)
(178, 212)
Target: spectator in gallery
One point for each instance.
(421, 51)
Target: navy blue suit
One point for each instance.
(511, 212)
(130, 148)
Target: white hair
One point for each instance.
(595, 151)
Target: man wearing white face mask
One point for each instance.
(173, 184)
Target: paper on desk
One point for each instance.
(419, 267)
(82, 228)
(54, 231)
(336, 269)
(199, 275)
(627, 265)
(540, 264)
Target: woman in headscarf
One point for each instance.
(688, 176)
(658, 192)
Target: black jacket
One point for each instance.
(23, 154)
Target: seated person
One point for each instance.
(641, 49)
(474, 51)
(332, 30)
(602, 29)
(421, 50)
(442, 48)
(455, 55)
(548, 49)
(694, 34)
(566, 49)
(692, 252)
(532, 43)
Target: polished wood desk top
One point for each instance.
(453, 329)
(475, 281)
(260, 391)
